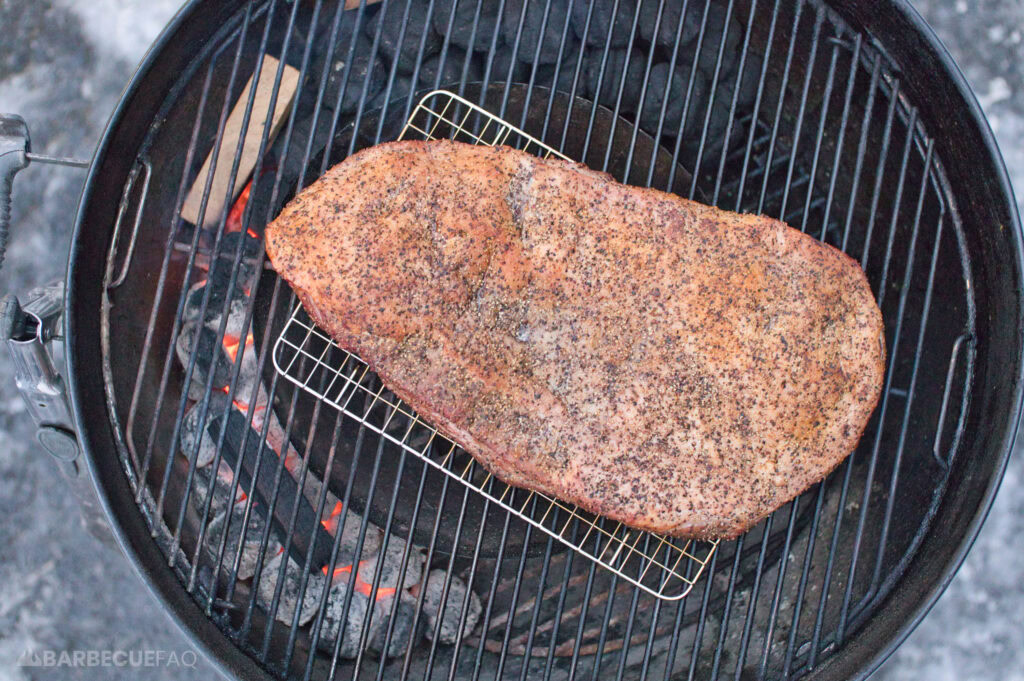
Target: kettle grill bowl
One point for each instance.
(972, 284)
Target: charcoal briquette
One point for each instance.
(669, 27)
(222, 489)
(444, 626)
(391, 576)
(193, 428)
(405, 49)
(250, 547)
(364, 65)
(399, 91)
(722, 105)
(660, 88)
(536, 31)
(404, 630)
(451, 70)
(566, 75)
(609, 25)
(209, 354)
(354, 620)
(292, 585)
(503, 61)
(461, 32)
(615, 69)
(707, 60)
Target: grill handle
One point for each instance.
(15, 154)
(14, 149)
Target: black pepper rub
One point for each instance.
(676, 367)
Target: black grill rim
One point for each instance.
(921, 584)
(905, 607)
(98, 433)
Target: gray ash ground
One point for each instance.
(63, 64)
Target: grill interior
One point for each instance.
(816, 133)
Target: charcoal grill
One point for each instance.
(294, 540)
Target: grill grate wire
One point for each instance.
(772, 163)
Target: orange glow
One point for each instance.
(239, 405)
(234, 221)
(362, 587)
(330, 523)
(231, 344)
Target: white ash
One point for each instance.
(199, 342)
(223, 488)
(250, 548)
(311, 489)
(447, 631)
(348, 545)
(315, 584)
(404, 632)
(193, 426)
(351, 633)
(390, 574)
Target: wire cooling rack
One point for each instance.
(662, 566)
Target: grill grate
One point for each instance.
(827, 141)
(662, 566)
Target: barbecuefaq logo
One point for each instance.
(139, 657)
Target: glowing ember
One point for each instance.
(330, 523)
(361, 586)
(242, 406)
(234, 221)
(231, 344)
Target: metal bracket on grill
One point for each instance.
(661, 566)
(31, 330)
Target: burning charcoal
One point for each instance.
(194, 301)
(250, 545)
(447, 631)
(191, 429)
(451, 71)
(390, 576)
(602, 22)
(669, 26)
(708, 58)
(208, 354)
(462, 23)
(614, 71)
(399, 92)
(333, 517)
(405, 49)
(359, 607)
(659, 88)
(404, 631)
(500, 67)
(223, 488)
(531, 34)
(250, 249)
(218, 281)
(290, 591)
(363, 66)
